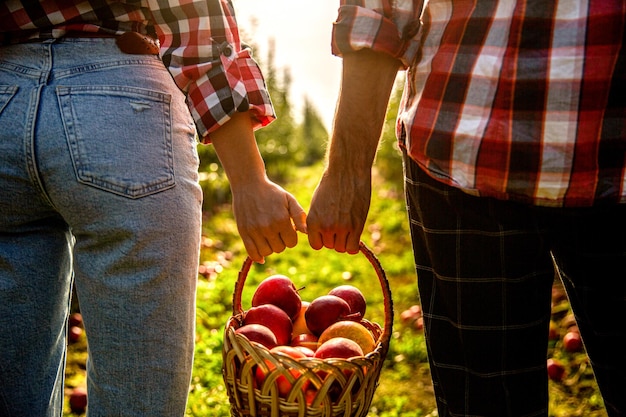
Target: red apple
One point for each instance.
(307, 340)
(338, 347)
(258, 333)
(76, 319)
(78, 400)
(274, 318)
(309, 353)
(556, 370)
(572, 342)
(419, 323)
(324, 311)
(280, 291)
(411, 314)
(75, 333)
(355, 299)
(283, 384)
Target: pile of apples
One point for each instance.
(328, 326)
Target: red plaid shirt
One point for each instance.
(200, 46)
(515, 100)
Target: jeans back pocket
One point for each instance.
(120, 137)
(6, 93)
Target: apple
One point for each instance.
(572, 342)
(350, 330)
(324, 311)
(310, 395)
(75, 333)
(299, 322)
(556, 370)
(78, 400)
(354, 297)
(274, 318)
(338, 347)
(309, 353)
(258, 333)
(76, 319)
(282, 382)
(306, 340)
(280, 291)
(419, 323)
(411, 314)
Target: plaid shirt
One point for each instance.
(516, 100)
(200, 46)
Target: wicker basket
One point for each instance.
(319, 387)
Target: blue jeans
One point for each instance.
(98, 189)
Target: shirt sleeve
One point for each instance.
(200, 46)
(387, 26)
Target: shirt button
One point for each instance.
(226, 49)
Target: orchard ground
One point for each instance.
(405, 388)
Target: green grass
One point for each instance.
(405, 388)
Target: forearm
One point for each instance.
(267, 216)
(340, 202)
(237, 150)
(368, 79)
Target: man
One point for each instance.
(513, 129)
(98, 172)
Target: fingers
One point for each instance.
(297, 213)
(280, 234)
(253, 252)
(339, 240)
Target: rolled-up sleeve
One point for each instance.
(200, 46)
(391, 27)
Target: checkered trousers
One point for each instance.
(485, 271)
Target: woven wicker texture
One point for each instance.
(319, 387)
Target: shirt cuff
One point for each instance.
(359, 28)
(234, 84)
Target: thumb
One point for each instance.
(297, 213)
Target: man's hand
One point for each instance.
(338, 212)
(341, 201)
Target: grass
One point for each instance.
(405, 388)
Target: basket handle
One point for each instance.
(382, 278)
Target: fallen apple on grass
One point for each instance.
(572, 342)
(556, 370)
(75, 333)
(78, 400)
